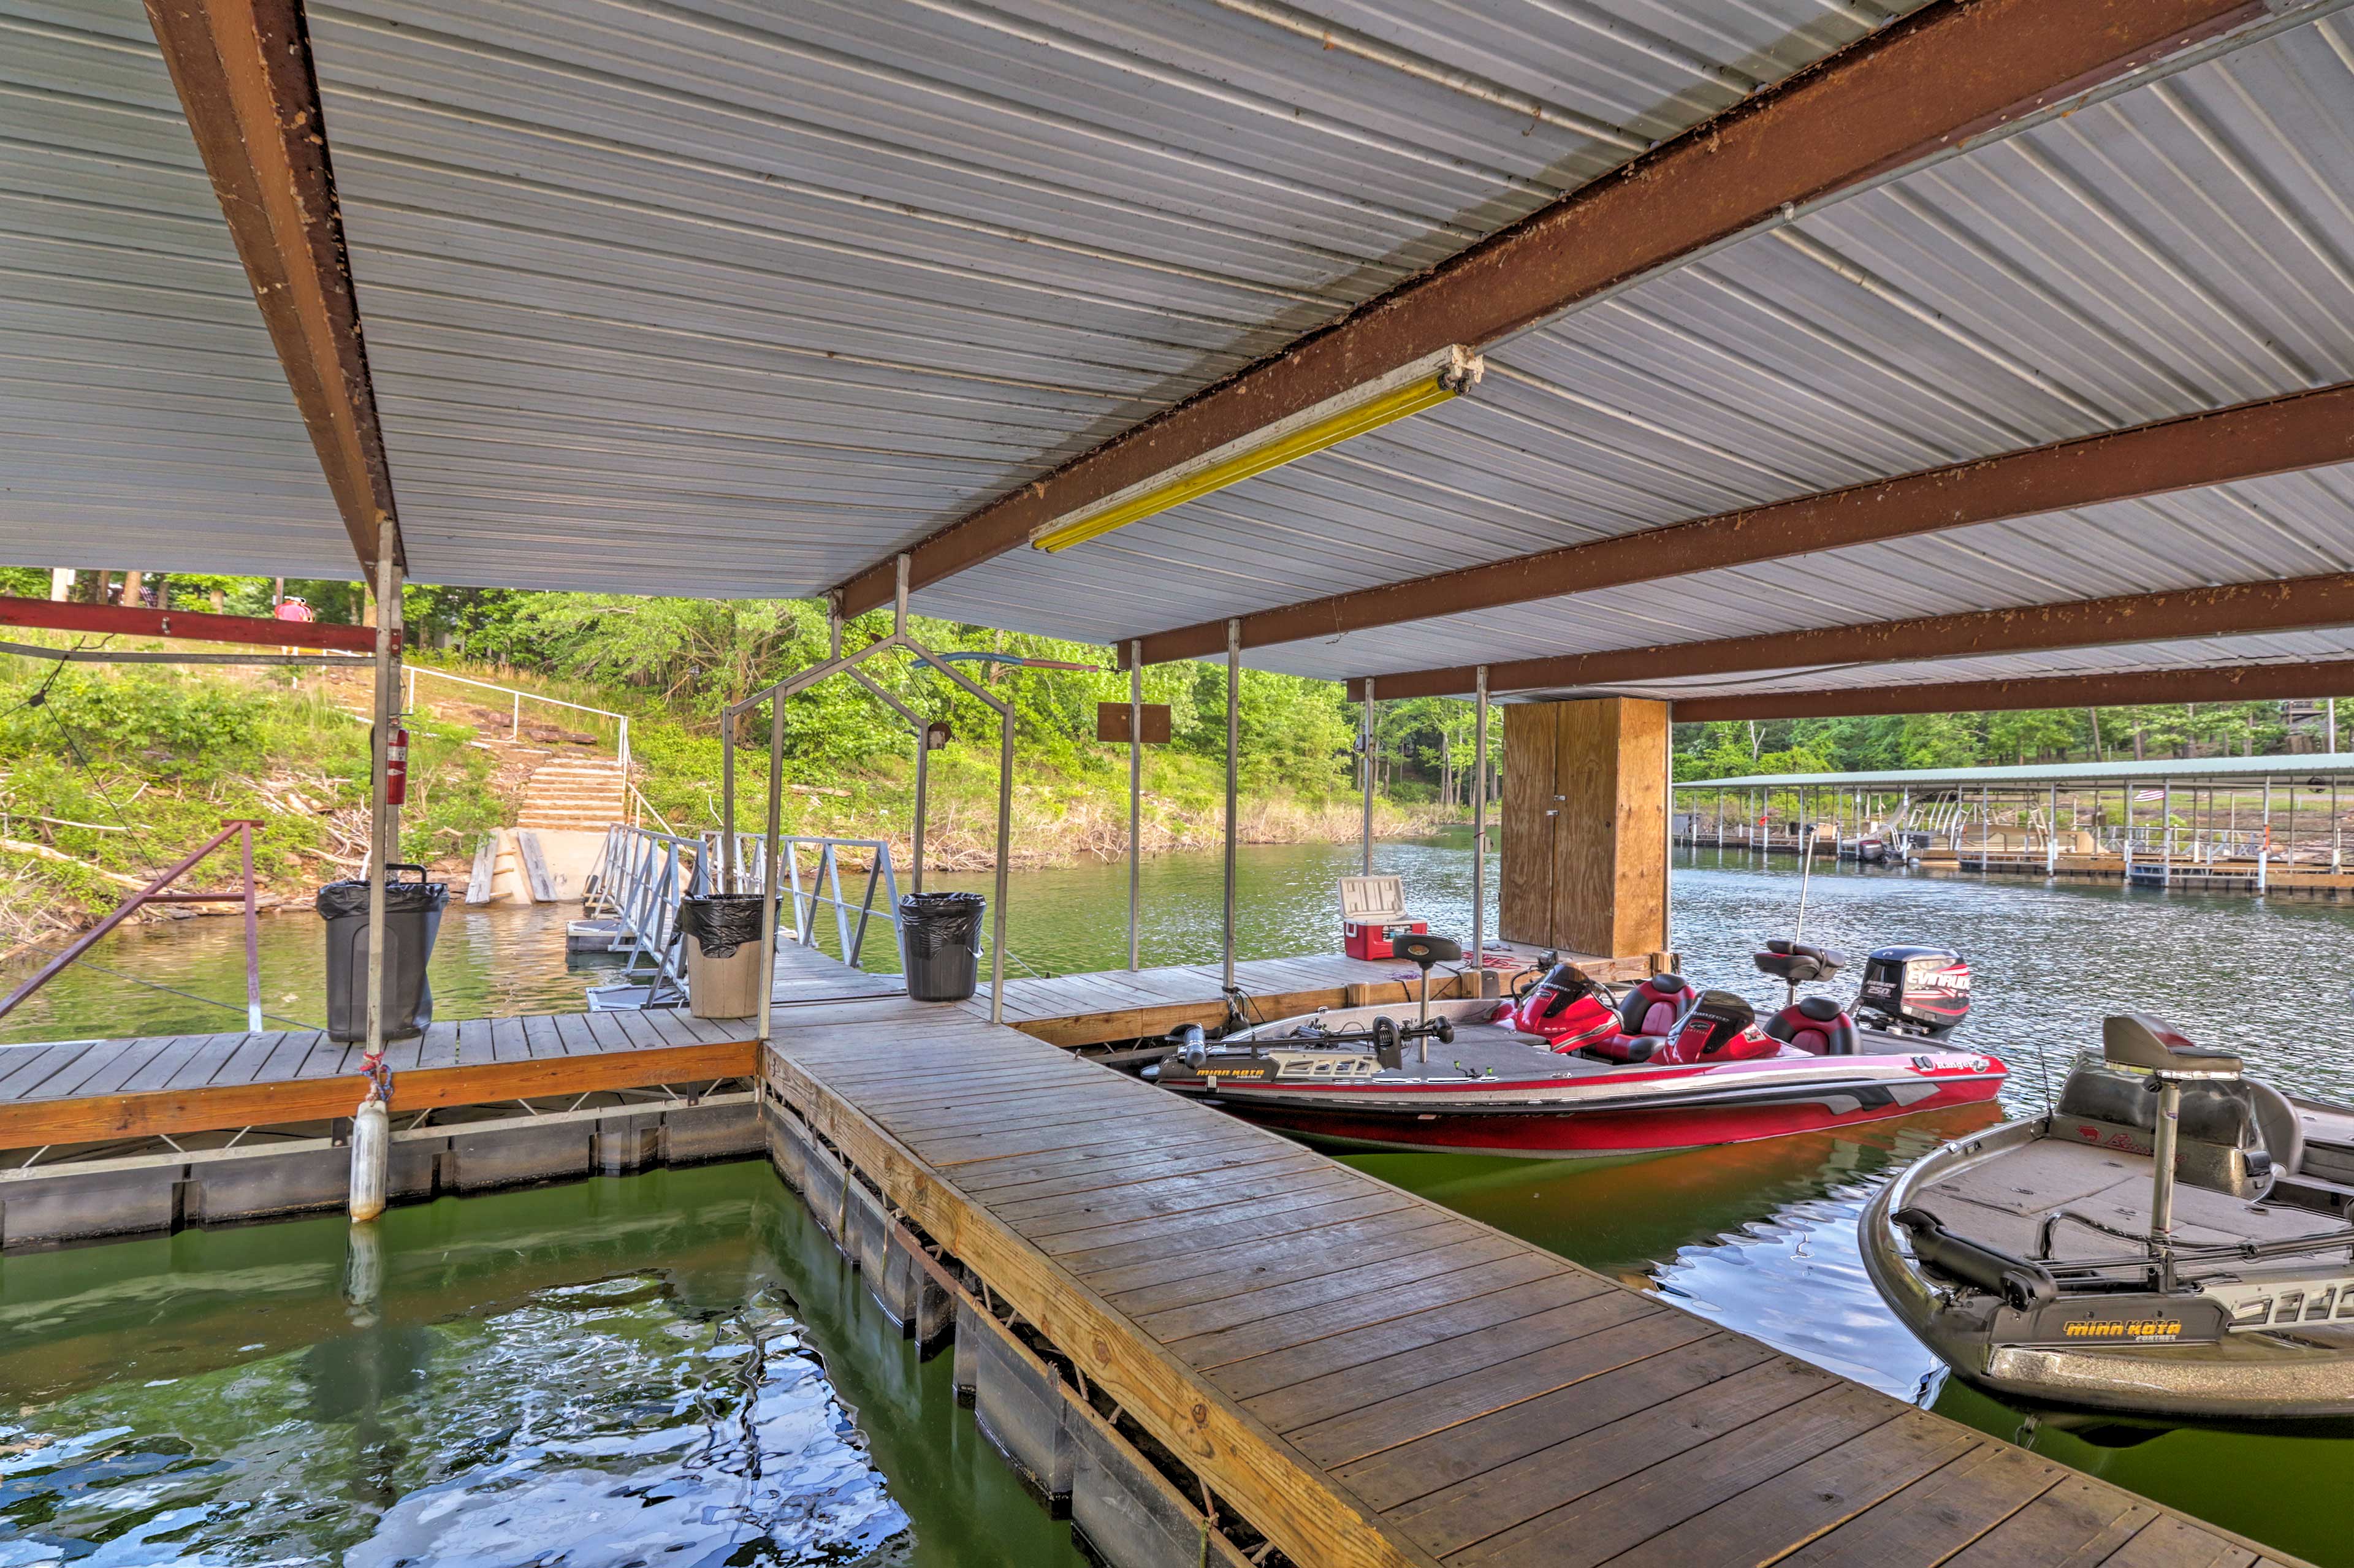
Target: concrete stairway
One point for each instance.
(573, 793)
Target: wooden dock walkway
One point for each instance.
(84, 1091)
(1370, 1378)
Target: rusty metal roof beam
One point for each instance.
(1918, 88)
(2218, 683)
(242, 68)
(2275, 435)
(2292, 604)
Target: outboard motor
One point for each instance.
(1915, 991)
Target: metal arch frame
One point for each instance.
(776, 696)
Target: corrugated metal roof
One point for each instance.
(732, 299)
(727, 298)
(143, 418)
(2182, 246)
(2192, 770)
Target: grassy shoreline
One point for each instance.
(118, 770)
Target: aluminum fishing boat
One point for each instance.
(2171, 1240)
(1572, 1067)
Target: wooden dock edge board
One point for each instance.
(1293, 1501)
(32, 1124)
(1213, 1424)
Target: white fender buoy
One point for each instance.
(371, 1159)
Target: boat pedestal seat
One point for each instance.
(2141, 1042)
(1798, 963)
(1816, 1026)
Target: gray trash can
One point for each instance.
(939, 944)
(412, 917)
(722, 933)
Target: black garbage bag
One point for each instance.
(722, 922)
(412, 918)
(939, 944)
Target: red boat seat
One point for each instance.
(1653, 1007)
(1816, 1026)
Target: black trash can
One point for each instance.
(412, 918)
(939, 943)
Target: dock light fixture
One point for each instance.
(1408, 390)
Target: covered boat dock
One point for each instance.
(1620, 364)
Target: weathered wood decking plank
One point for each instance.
(1373, 1361)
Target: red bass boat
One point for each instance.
(1571, 1068)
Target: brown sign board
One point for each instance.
(1111, 723)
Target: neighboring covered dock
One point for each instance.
(2255, 824)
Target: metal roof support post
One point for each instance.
(2052, 837)
(923, 793)
(2265, 840)
(769, 881)
(1234, 747)
(2288, 834)
(1366, 865)
(2334, 836)
(922, 729)
(383, 816)
(728, 800)
(2166, 825)
(1135, 793)
(252, 933)
(1005, 859)
(1479, 837)
(1986, 831)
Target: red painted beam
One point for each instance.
(2286, 604)
(1924, 84)
(130, 621)
(2218, 683)
(243, 72)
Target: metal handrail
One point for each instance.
(644, 874)
(644, 877)
(881, 875)
(521, 696)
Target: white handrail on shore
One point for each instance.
(518, 697)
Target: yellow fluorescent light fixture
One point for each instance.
(1408, 390)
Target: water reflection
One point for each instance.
(673, 1368)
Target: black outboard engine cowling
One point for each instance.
(1915, 991)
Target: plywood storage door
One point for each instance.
(1524, 885)
(1609, 876)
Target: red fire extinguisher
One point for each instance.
(396, 769)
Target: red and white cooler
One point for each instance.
(1373, 916)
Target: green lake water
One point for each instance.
(1759, 1236)
(672, 1369)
